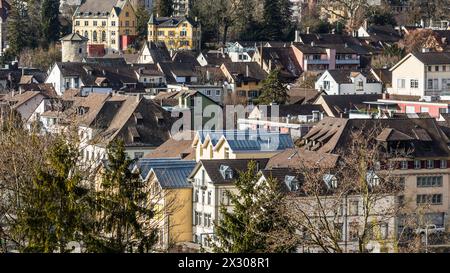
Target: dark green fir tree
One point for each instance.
(17, 27)
(273, 90)
(120, 208)
(164, 8)
(52, 212)
(256, 219)
(50, 25)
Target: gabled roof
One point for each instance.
(389, 134)
(431, 58)
(117, 75)
(383, 33)
(158, 51)
(291, 109)
(178, 146)
(215, 58)
(423, 134)
(344, 103)
(171, 21)
(383, 75)
(119, 118)
(298, 159)
(99, 8)
(171, 174)
(239, 140)
(212, 168)
(17, 100)
(139, 122)
(47, 89)
(185, 56)
(239, 70)
(74, 37)
(345, 76)
(282, 58)
(172, 70)
(111, 60)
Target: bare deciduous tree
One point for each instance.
(353, 205)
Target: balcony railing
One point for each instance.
(349, 61)
(437, 91)
(309, 61)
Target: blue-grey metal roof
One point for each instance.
(170, 173)
(246, 140)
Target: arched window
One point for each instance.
(103, 36)
(94, 36)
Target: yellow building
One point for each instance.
(111, 23)
(171, 195)
(178, 33)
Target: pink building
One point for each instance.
(434, 109)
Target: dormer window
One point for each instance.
(226, 172)
(330, 181)
(291, 182)
(138, 118)
(372, 179)
(430, 164)
(81, 111)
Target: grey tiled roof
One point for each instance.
(431, 58)
(212, 168)
(250, 140)
(170, 173)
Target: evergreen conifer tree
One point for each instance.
(273, 21)
(50, 25)
(120, 209)
(142, 17)
(17, 27)
(164, 8)
(256, 218)
(273, 90)
(52, 211)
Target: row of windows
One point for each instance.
(430, 164)
(197, 197)
(103, 36)
(204, 240)
(202, 219)
(170, 33)
(209, 92)
(103, 23)
(429, 181)
(431, 83)
(434, 84)
(413, 83)
(353, 208)
(432, 199)
(437, 68)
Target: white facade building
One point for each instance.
(346, 82)
(422, 74)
